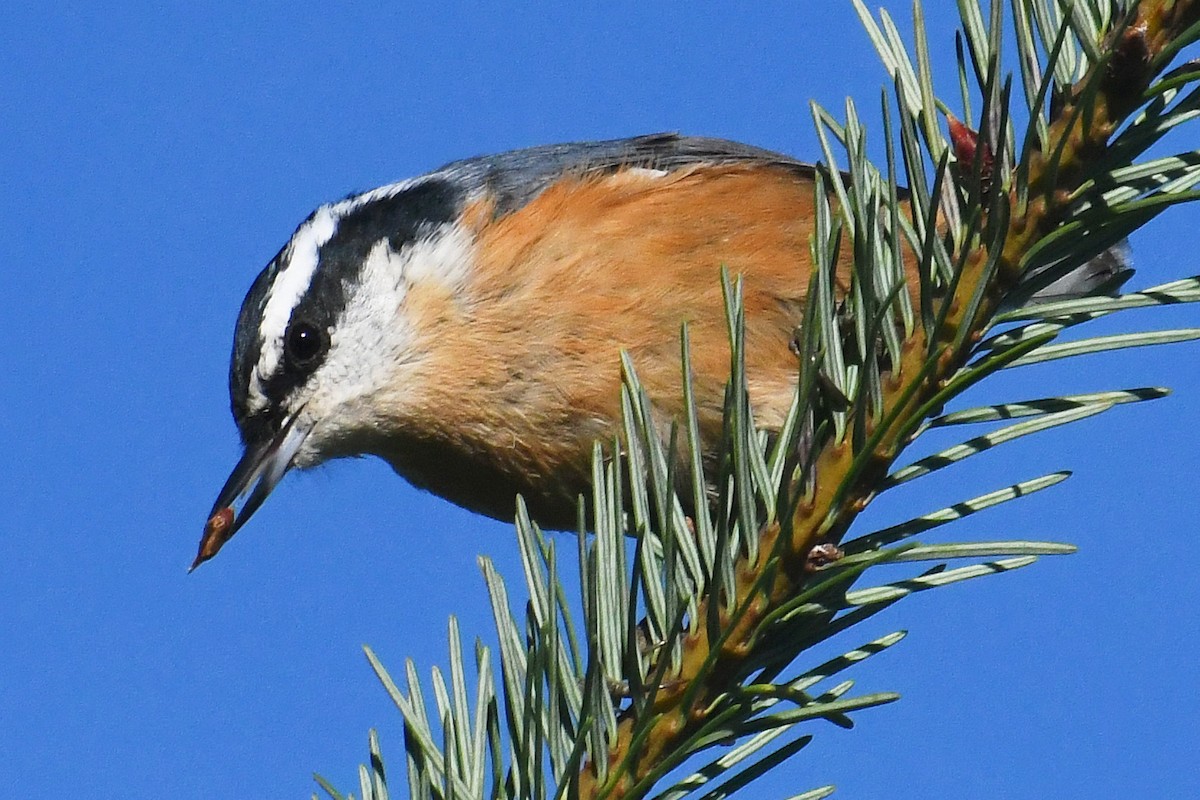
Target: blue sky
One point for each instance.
(154, 159)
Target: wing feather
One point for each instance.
(514, 178)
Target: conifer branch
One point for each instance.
(683, 646)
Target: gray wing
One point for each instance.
(516, 177)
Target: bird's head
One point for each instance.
(322, 346)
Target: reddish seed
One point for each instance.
(217, 531)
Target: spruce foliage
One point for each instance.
(681, 671)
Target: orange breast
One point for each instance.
(526, 368)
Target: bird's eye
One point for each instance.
(305, 343)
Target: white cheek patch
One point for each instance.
(374, 340)
(369, 341)
(374, 335)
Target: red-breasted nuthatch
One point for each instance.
(466, 325)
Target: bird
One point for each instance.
(466, 325)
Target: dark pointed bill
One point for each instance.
(258, 472)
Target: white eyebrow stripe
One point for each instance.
(289, 287)
(350, 204)
(304, 254)
(304, 250)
